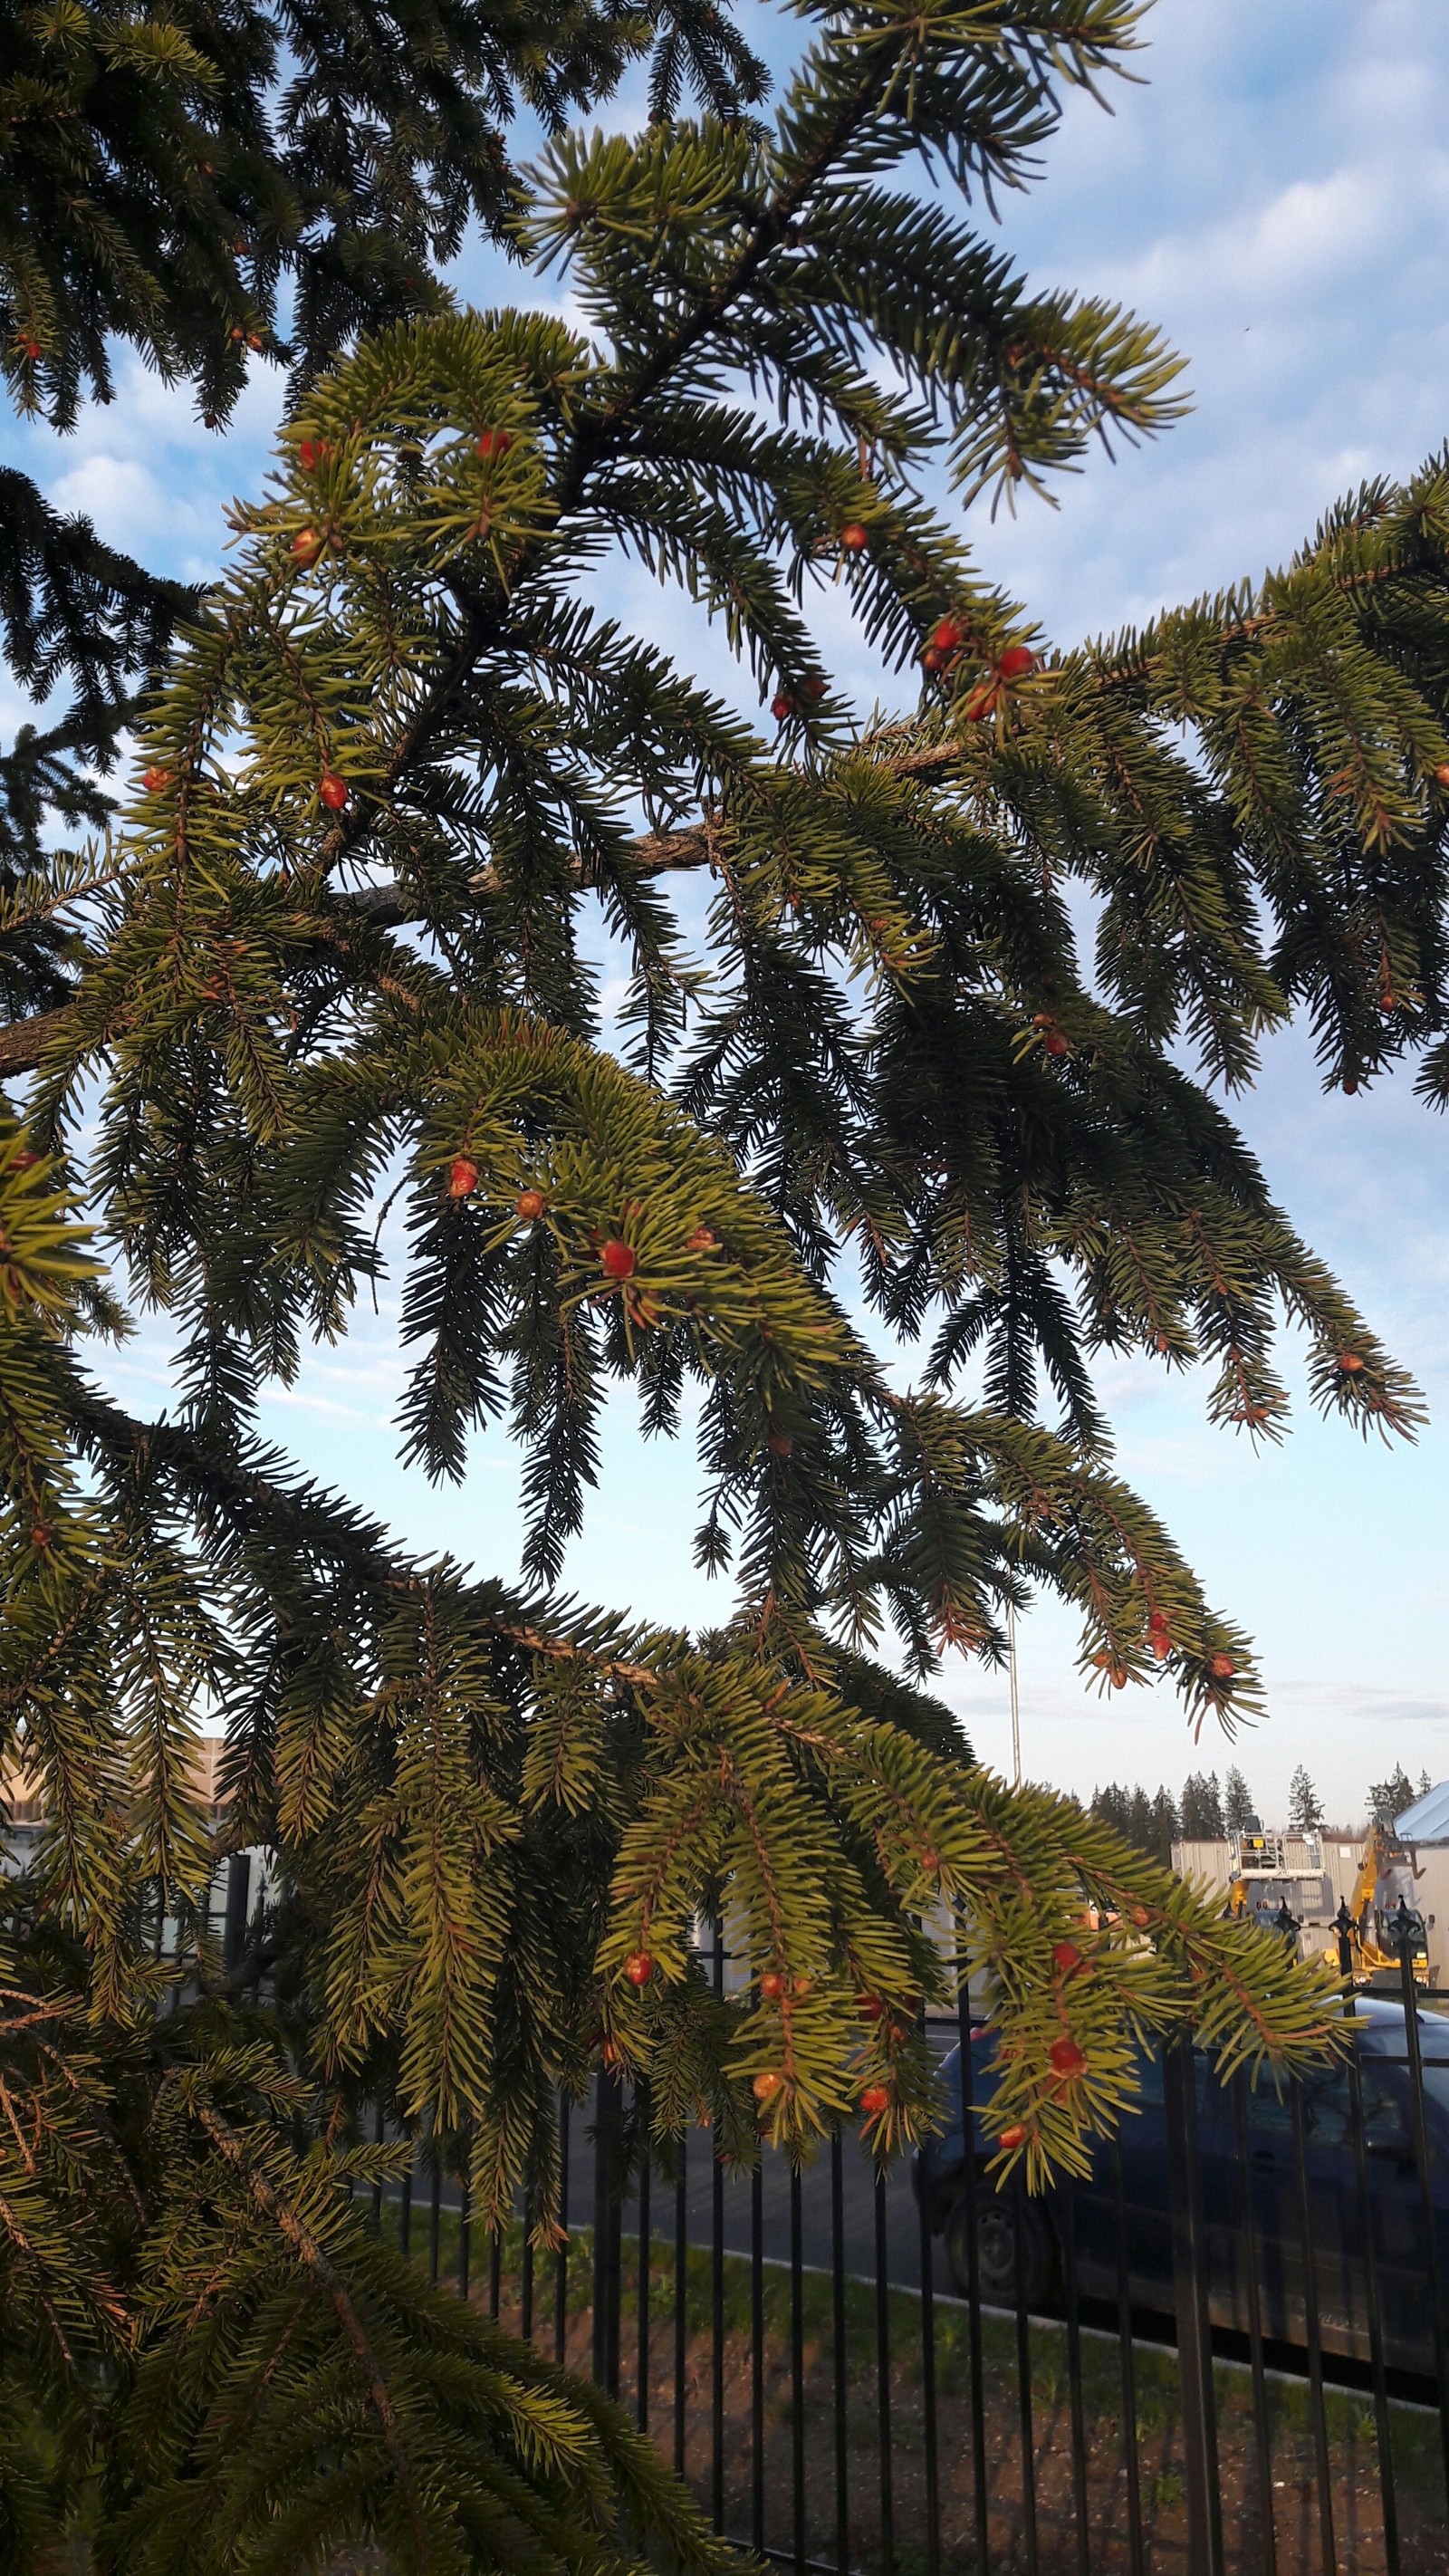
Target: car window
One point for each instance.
(1328, 2110)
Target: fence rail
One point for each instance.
(1230, 2360)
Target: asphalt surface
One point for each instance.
(881, 2230)
(708, 2184)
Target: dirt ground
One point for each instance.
(888, 2534)
(890, 2538)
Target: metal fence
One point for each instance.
(1224, 2354)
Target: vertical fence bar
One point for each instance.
(1136, 2555)
(465, 2229)
(495, 2272)
(928, 2395)
(1066, 2204)
(1262, 2430)
(646, 2241)
(1426, 2189)
(1388, 2499)
(1322, 2464)
(797, 2370)
(970, 2190)
(757, 2355)
(405, 2205)
(608, 2226)
(435, 2211)
(234, 1921)
(716, 2291)
(840, 2357)
(1023, 2385)
(526, 2278)
(258, 1962)
(379, 2135)
(883, 2381)
(561, 2258)
(716, 2339)
(681, 2300)
(1190, 2280)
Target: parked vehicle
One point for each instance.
(1020, 2239)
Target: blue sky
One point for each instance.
(1276, 196)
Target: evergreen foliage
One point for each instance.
(1388, 1799)
(213, 186)
(1238, 1805)
(1305, 1807)
(1149, 1824)
(1202, 1808)
(334, 957)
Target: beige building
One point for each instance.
(1423, 1833)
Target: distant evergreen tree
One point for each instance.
(1305, 1807)
(1202, 1808)
(1238, 1804)
(1166, 1827)
(1387, 1799)
(1114, 1805)
(1150, 1823)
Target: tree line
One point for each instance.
(1209, 1809)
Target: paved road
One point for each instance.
(899, 2217)
(736, 2202)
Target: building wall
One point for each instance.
(1312, 1894)
(1426, 1886)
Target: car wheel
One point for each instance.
(996, 2249)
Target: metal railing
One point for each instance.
(1230, 2360)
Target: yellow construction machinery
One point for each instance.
(1353, 1951)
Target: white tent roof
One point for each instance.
(1427, 1821)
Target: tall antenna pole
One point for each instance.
(1015, 1705)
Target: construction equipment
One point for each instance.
(1364, 1958)
(1262, 1865)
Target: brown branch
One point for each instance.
(305, 2246)
(23, 1042)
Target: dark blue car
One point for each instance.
(1017, 2234)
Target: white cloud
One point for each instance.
(123, 500)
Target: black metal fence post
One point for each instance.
(839, 2350)
(1407, 1933)
(238, 1906)
(646, 2257)
(1318, 2421)
(1262, 2422)
(1190, 2283)
(980, 2496)
(1388, 2497)
(1136, 2552)
(561, 2258)
(608, 2226)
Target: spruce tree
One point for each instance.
(1238, 1807)
(1114, 1805)
(1305, 1807)
(1388, 1799)
(1202, 1808)
(333, 958)
(255, 185)
(1166, 1826)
